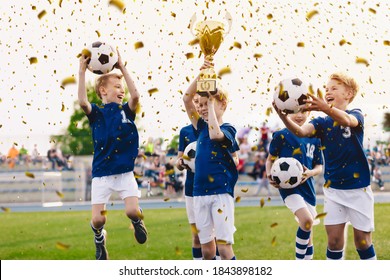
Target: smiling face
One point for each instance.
(337, 94)
(110, 88)
(299, 118)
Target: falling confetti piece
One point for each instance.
(177, 250)
(211, 179)
(221, 242)
(262, 202)
(356, 175)
(5, 209)
(140, 214)
(372, 10)
(194, 229)
(67, 81)
(60, 3)
(274, 225)
(320, 216)
(297, 151)
(118, 3)
(342, 42)
(60, 194)
(193, 42)
(268, 111)
(237, 45)
(97, 32)
(270, 16)
(152, 91)
(257, 55)
(223, 71)
(361, 60)
(386, 42)
(33, 60)
(103, 212)
(320, 94)
(29, 174)
(300, 44)
(245, 190)
(273, 242)
(86, 52)
(138, 45)
(327, 184)
(219, 211)
(238, 199)
(62, 246)
(311, 14)
(166, 199)
(189, 55)
(41, 14)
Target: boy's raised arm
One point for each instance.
(189, 104)
(82, 92)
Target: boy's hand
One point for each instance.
(315, 103)
(119, 65)
(306, 174)
(84, 60)
(282, 115)
(272, 182)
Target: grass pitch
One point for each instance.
(266, 233)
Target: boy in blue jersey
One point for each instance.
(216, 173)
(115, 139)
(347, 190)
(301, 200)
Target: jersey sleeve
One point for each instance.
(181, 141)
(319, 124)
(357, 113)
(230, 137)
(130, 114)
(276, 143)
(94, 111)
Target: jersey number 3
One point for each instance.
(347, 131)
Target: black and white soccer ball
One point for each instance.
(290, 94)
(287, 172)
(189, 155)
(103, 58)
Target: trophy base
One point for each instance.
(203, 87)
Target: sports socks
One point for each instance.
(99, 237)
(368, 254)
(197, 253)
(334, 255)
(218, 257)
(301, 242)
(309, 252)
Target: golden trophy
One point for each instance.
(210, 35)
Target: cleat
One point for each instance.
(140, 233)
(101, 250)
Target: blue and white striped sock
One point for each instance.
(309, 252)
(98, 233)
(368, 254)
(301, 242)
(197, 253)
(334, 255)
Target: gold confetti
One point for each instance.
(219, 211)
(237, 45)
(6, 209)
(270, 16)
(29, 174)
(140, 214)
(238, 199)
(60, 194)
(33, 60)
(223, 71)
(103, 212)
(68, 80)
(189, 55)
(320, 94)
(177, 250)
(152, 91)
(86, 52)
(297, 151)
(60, 3)
(41, 14)
(194, 229)
(97, 32)
(211, 179)
(62, 246)
(186, 157)
(138, 45)
(342, 42)
(173, 14)
(320, 216)
(311, 14)
(221, 242)
(245, 190)
(363, 242)
(268, 111)
(273, 242)
(300, 44)
(118, 3)
(262, 202)
(193, 42)
(274, 225)
(257, 55)
(361, 60)
(386, 42)
(356, 175)
(372, 10)
(327, 184)
(166, 199)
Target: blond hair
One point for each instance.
(347, 81)
(102, 81)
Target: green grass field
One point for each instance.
(28, 236)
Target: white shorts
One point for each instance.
(214, 218)
(190, 209)
(355, 206)
(102, 187)
(295, 202)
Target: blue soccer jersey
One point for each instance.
(306, 150)
(346, 165)
(187, 136)
(216, 172)
(115, 139)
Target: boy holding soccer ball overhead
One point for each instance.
(347, 190)
(216, 173)
(115, 139)
(301, 200)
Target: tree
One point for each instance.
(386, 122)
(77, 140)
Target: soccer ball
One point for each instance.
(287, 172)
(103, 58)
(290, 94)
(189, 155)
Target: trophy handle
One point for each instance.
(228, 18)
(192, 23)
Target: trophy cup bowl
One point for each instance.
(210, 35)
